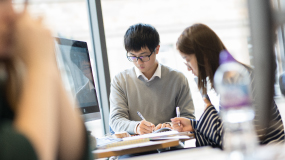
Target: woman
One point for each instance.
(200, 47)
(37, 118)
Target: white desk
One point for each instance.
(203, 153)
(267, 152)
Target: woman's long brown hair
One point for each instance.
(202, 41)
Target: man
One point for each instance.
(150, 88)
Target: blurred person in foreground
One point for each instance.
(200, 47)
(37, 118)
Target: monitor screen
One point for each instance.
(74, 63)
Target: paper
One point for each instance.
(161, 135)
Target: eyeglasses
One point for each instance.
(142, 58)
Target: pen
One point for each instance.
(178, 113)
(139, 113)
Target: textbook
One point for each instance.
(103, 142)
(123, 143)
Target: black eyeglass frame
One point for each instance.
(140, 57)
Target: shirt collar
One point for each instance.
(157, 73)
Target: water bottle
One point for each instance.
(232, 81)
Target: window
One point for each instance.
(67, 19)
(229, 19)
(278, 6)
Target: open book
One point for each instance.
(163, 135)
(166, 135)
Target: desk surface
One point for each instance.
(201, 153)
(273, 151)
(135, 148)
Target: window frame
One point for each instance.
(101, 64)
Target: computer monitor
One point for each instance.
(74, 63)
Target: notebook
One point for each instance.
(102, 142)
(163, 136)
(109, 142)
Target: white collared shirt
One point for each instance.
(157, 73)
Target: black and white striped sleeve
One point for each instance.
(208, 130)
(275, 131)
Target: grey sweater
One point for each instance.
(156, 100)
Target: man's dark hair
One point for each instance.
(139, 36)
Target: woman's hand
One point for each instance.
(181, 124)
(163, 125)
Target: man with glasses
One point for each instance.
(151, 88)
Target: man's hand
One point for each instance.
(163, 125)
(145, 127)
(181, 124)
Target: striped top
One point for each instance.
(208, 129)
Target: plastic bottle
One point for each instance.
(232, 81)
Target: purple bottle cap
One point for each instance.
(225, 57)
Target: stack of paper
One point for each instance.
(163, 135)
